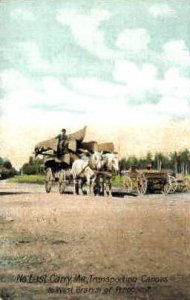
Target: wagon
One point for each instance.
(148, 181)
(58, 171)
(58, 165)
(160, 180)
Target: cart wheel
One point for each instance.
(166, 188)
(127, 183)
(173, 183)
(186, 184)
(62, 184)
(141, 185)
(48, 180)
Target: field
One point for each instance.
(122, 248)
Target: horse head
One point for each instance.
(96, 160)
(111, 162)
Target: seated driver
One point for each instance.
(62, 142)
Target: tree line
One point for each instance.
(179, 162)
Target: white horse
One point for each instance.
(84, 171)
(82, 174)
(110, 164)
(96, 161)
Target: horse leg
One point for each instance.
(96, 187)
(108, 186)
(103, 186)
(92, 185)
(81, 183)
(88, 189)
(76, 186)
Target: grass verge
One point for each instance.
(38, 179)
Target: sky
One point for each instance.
(120, 67)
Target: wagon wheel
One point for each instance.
(186, 184)
(62, 184)
(141, 184)
(166, 188)
(171, 185)
(128, 184)
(48, 180)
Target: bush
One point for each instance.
(33, 169)
(7, 164)
(6, 173)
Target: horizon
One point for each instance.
(123, 150)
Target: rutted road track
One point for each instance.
(66, 234)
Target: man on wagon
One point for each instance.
(62, 142)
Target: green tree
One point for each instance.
(7, 164)
(1, 161)
(33, 166)
(123, 164)
(184, 161)
(159, 160)
(132, 161)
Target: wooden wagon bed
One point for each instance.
(144, 181)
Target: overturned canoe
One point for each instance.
(106, 147)
(78, 135)
(46, 145)
(51, 144)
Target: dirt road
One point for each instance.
(122, 248)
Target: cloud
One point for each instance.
(91, 97)
(98, 67)
(143, 86)
(174, 85)
(34, 59)
(86, 30)
(28, 56)
(136, 39)
(24, 97)
(36, 110)
(173, 106)
(22, 94)
(177, 53)
(19, 14)
(11, 79)
(136, 85)
(98, 88)
(140, 82)
(161, 10)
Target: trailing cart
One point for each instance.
(149, 181)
